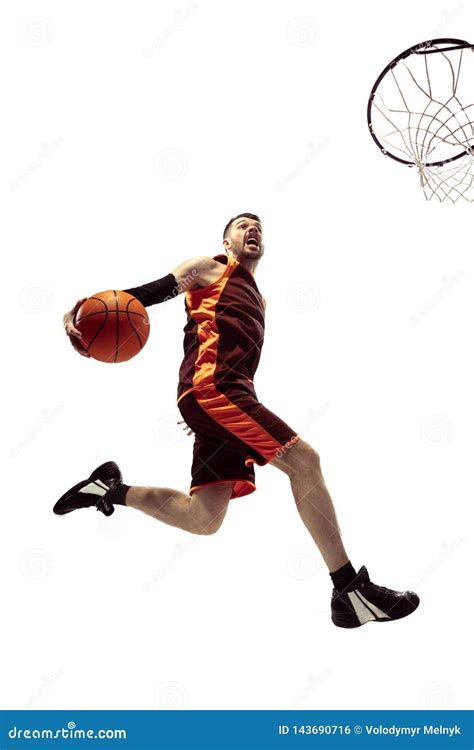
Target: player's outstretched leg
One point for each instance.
(199, 513)
(302, 465)
(355, 600)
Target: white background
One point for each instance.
(131, 133)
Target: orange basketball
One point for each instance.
(114, 326)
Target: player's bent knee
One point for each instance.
(207, 524)
(209, 529)
(209, 506)
(301, 455)
(307, 450)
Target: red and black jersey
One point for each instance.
(223, 339)
(224, 333)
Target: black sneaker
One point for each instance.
(362, 601)
(96, 490)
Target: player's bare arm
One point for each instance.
(193, 273)
(197, 272)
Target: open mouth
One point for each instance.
(252, 242)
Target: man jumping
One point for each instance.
(223, 338)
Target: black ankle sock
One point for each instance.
(117, 497)
(342, 577)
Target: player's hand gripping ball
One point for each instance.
(114, 326)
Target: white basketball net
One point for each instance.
(423, 112)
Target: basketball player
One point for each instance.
(223, 338)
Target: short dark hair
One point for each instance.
(231, 221)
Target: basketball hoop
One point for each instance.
(421, 113)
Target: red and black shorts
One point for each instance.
(233, 431)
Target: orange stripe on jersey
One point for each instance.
(233, 419)
(224, 331)
(189, 390)
(207, 332)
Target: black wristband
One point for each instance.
(160, 290)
